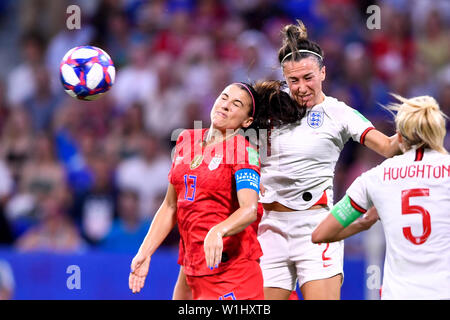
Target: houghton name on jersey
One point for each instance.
(411, 193)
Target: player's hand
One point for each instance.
(213, 246)
(262, 189)
(139, 271)
(369, 218)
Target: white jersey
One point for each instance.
(412, 195)
(303, 155)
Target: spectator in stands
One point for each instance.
(95, 208)
(21, 83)
(43, 103)
(43, 174)
(145, 173)
(16, 142)
(433, 44)
(54, 231)
(393, 48)
(129, 229)
(168, 102)
(136, 81)
(127, 130)
(257, 62)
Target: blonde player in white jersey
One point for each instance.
(298, 173)
(411, 193)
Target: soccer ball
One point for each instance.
(87, 72)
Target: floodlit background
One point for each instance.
(81, 181)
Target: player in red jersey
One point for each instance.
(213, 196)
(182, 291)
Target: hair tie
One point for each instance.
(251, 95)
(300, 51)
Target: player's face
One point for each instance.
(231, 109)
(304, 79)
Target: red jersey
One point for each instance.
(204, 179)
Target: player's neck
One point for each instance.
(214, 135)
(319, 100)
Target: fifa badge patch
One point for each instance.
(315, 119)
(215, 161)
(196, 162)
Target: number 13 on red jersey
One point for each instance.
(190, 184)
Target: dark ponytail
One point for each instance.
(274, 106)
(295, 37)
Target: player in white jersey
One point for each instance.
(297, 176)
(411, 193)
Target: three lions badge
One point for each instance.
(315, 119)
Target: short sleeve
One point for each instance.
(356, 125)
(246, 156)
(176, 151)
(358, 191)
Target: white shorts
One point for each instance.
(289, 254)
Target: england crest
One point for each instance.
(315, 119)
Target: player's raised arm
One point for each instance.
(382, 144)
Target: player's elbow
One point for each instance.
(252, 213)
(317, 236)
(248, 214)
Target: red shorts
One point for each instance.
(240, 281)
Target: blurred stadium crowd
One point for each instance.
(77, 175)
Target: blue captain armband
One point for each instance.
(247, 179)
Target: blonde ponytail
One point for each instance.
(421, 122)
